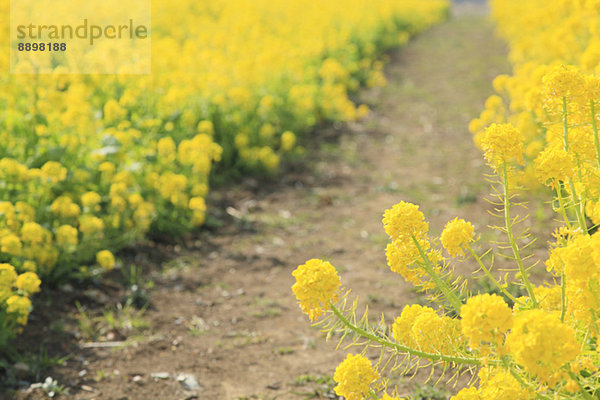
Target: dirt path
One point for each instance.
(222, 308)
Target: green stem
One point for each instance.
(565, 125)
(561, 204)
(595, 130)
(579, 174)
(439, 282)
(511, 238)
(400, 348)
(577, 205)
(563, 297)
(594, 316)
(491, 277)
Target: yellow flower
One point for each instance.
(10, 244)
(288, 140)
(401, 255)
(67, 235)
(113, 112)
(436, 334)
(197, 204)
(354, 377)
(28, 282)
(241, 141)
(402, 327)
(135, 200)
(578, 259)
(266, 131)
(476, 125)
(29, 265)
(484, 319)
(317, 283)
(117, 189)
(581, 257)
(554, 164)
(25, 212)
(34, 233)
(107, 167)
(143, 216)
(206, 127)
(7, 275)
(422, 328)
(64, 207)
(564, 81)
(404, 220)
(469, 393)
(166, 148)
(571, 386)
(499, 384)
(198, 218)
(501, 143)
(90, 199)
(541, 343)
(363, 111)
(548, 297)
(457, 235)
(54, 171)
(19, 305)
(5, 293)
(118, 204)
(171, 185)
(89, 225)
(105, 259)
(268, 158)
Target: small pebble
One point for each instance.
(160, 375)
(188, 381)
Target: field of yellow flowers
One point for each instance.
(540, 132)
(220, 307)
(91, 163)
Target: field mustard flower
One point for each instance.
(354, 377)
(317, 283)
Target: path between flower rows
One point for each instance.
(222, 309)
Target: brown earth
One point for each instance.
(221, 305)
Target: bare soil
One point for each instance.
(221, 306)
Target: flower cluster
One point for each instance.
(317, 283)
(553, 96)
(422, 328)
(501, 143)
(404, 221)
(542, 344)
(354, 377)
(497, 384)
(457, 235)
(407, 229)
(485, 319)
(15, 291)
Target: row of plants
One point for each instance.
(540, 132)
(91, 163)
